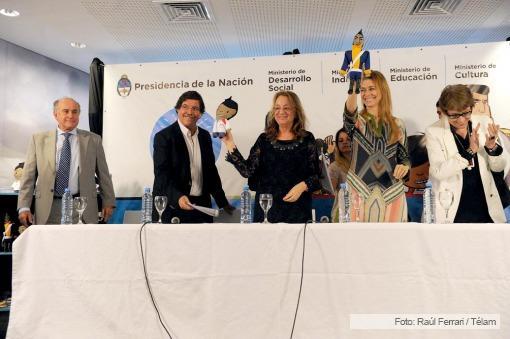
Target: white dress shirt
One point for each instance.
(195, 159)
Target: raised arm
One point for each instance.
(351, 104)
(246, 167)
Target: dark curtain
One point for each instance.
(96, 86)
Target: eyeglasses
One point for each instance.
(455, 116)
(194, 109)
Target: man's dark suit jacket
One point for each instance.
(172, 175)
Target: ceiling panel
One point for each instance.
(273, 27)
(391, 26)
(127, 31)
(144, 30)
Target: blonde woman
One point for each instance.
(282, 162)
(380, 157)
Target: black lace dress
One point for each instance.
(275, 167)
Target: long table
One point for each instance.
(241, 281)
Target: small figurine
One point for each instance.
(356, 61)
(18, 173)
(7, 234)
(226, 111)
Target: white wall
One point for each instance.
(29, 83)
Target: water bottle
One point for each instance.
(67, 208)
(146, 205)
(245, 205)
(429, 213)
(343, 204)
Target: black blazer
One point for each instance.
(172, 175)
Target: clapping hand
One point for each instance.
(474, 143)
(492, 136)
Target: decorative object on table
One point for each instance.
(226, 111)
(18, 173)
(356, 62)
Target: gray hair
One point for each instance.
(56, 102)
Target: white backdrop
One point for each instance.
(416, 77)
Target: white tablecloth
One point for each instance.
(241, 281)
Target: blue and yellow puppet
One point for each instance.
(226, 111)
(356, 61)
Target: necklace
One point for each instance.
(471, 161)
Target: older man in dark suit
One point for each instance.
(184, 165)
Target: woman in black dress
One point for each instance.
(282, 162)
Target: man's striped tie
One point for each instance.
(64, 167)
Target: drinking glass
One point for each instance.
(160, 202)
(266, 201)
(80, 204)
(446, 200)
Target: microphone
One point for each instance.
(175, 220)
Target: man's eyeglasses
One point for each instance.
(455, 116)
(191, 108)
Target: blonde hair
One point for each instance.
(384, 105)
(298, 126)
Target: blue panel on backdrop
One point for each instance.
(206, 122)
